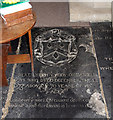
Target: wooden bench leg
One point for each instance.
(10, 48)
(4, 78)
(31, 52)
(3, 64)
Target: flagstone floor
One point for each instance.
(72, 74)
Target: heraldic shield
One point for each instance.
(55, 47)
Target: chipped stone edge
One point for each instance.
(100, 80)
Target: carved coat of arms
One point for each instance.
(55, 47)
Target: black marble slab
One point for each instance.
(103, 41)
(66, 78)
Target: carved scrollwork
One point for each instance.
(55, 47)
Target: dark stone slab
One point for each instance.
(102, 34)
(65, 79)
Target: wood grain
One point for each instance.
(21, 58)
(8, 34)
(17, 15)
(31, 52)
(3, 63)
(16, 31)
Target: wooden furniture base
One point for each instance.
(22, 58)
(12, 33)
(3, 63)
(12, 59)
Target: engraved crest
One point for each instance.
(55, 47)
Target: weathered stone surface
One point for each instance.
(58, 90)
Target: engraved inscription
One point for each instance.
(109, 66)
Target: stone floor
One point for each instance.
(90, 66)
(64, 89)
(93, 12)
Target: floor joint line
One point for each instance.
(99, 74)
(11, 86)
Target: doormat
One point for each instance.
(66, 82)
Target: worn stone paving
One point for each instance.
(66, 82)
(102, 34)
